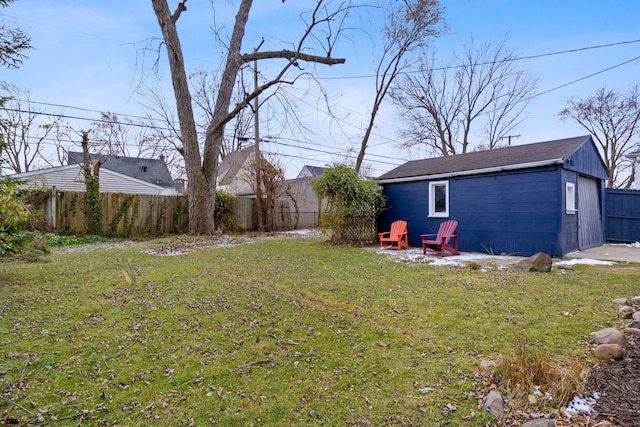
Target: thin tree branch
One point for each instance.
(290, 55)
(179, 9)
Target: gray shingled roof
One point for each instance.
(313, 170)
(153, 171)
(232, 163)
(524, 155)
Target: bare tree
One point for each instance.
(115, 136)
(272, 188)
(165, 131)
(202, 166)
(24, 132)
(204, 86)
(409, 25)
(612, 119)
(481, 89)
(13, 43)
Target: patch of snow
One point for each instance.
(538, 392)
(587, 261)
(628, 245)
(303, 232)
(581, 405)
(415, 255)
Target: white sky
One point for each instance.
(90, 54)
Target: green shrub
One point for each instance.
(225, 211)
(351, 199)
(13, 214)
(57, 241)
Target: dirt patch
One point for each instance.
(617, 385)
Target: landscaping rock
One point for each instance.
(539, 262)
(486, 365)
(626, 311)
(634, 324)
(620, 301)
(494, 403)
(635, 300)
(635, 332)
(636, 316)
(540, 422)
(607, 352)
(610, 336)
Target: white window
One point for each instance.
(570, 198)
(439, 199)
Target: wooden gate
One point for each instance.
(623, 215)
(590, 225)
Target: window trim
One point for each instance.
(570, 198)
(432, 199)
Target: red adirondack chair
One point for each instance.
(440, 244)
(397, 235)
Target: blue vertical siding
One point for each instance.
(586, 160)
(512, 212)
(515, 212)
(407, 201)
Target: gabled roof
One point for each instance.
(232, 164)
(315, 171)
(153, 171)
(506, 158)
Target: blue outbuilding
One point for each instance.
(543, 197)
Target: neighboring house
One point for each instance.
(311, 171)
(544, 197)
(309, 207)
(118, 174)
(300, 189)
(236, 172)
(635, 158)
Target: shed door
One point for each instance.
(590, 232)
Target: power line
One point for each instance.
(518, 58)
(334, 153)
(560, 52)
(582, 78)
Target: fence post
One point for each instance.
(52, 220)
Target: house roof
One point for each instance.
(311, 171)
(513, 157)
(232, 163)
(69, 178)
(153, 171)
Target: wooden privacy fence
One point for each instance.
(247, 215)
(622, 209)
(121, 214)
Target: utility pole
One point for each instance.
(508, 138)
(256, 131)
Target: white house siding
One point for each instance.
(113, 182)
(635, 160)
(64, 178)
(69, 178)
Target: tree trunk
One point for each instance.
(199, 186)
(215, 131)
(202, 170)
